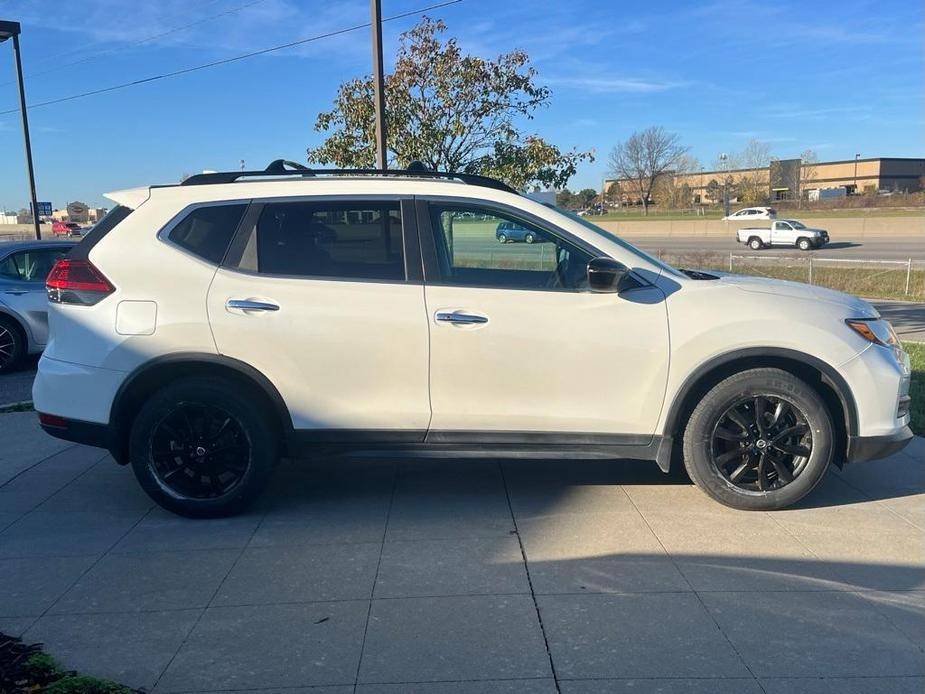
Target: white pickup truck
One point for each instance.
(783, 232)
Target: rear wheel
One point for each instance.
(12, 345)
(755, 243)
(529, 238)
(759, 440)
(201, 448)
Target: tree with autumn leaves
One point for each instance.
(453, 111)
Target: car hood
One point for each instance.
(854, 306)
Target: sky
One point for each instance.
(841, 77)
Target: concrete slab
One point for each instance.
(455, 638)
(29, 586)
(303, 573)
(597, 553)
(533, 686)
(667, 635)
(129, 648)
(451, 567)
(662, 686)
(848, 636)
(148, 582)
(905, 610)
(161, 531)
(270, 646)
(845, 685)
(73, 533)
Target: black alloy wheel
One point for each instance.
(761, 443)
(199, 451)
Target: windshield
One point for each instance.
(616, 239)
(795, 224)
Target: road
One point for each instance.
(907, 317)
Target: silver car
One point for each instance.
(24, 265)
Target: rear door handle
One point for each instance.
(250, 305)
(460, 318)
(16, 292)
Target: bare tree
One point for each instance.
(808, 172)
(644, 158)
(753, 183)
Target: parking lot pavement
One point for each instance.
(466, 576)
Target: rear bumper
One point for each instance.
(864, 448)
(76, 431)
(74, 391)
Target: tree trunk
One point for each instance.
(645, 206)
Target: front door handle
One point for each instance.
(250, 305)
(460, 318)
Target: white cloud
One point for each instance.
(617, 85)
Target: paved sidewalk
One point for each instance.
(467, 576)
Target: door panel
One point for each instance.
(517, 342)
(548, 361)
(342, 354)
(319, 304)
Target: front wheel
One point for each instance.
(502, 238)
(202, 448)
(759, 440)
(804, 244)
(529, 238)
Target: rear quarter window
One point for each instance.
(206, 232)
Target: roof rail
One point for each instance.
(283, 167)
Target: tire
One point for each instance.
(755, 243)
(502, 238)
(12, 345)
(804, 244)
(212, 431)
(529, 238)
(710, 435)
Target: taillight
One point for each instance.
(77, 282)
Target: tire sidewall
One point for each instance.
(257, 428)
(19, 345)
(697, 439)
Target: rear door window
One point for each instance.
(337, 240)
(207, 231)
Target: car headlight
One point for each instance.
(880, 332)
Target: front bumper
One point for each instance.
(864, 448)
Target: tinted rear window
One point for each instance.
(207, 231)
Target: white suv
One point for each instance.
(201, 331)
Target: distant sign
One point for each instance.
(44, 209)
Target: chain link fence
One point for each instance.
(879, 279)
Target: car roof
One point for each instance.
(7, 247)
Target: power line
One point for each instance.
(233, 59)
(140, 42)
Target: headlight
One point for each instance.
(880, 332)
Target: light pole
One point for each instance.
(375, 8)
(11, 30)
(723, 158)
(856, 157)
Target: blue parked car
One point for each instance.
(509, 232)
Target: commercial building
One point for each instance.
(788, 179)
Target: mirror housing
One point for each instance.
(606, 275)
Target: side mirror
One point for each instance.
(605, 275)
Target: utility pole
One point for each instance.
(723, 158)
(375, 7)
(856, 157)
(12, 30)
